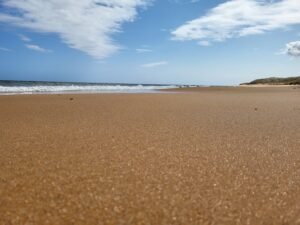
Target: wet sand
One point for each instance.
(199, 156)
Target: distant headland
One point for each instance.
(275, 81)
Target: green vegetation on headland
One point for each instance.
(276, 81)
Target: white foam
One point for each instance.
(78, 88)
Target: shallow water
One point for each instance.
(32, 87)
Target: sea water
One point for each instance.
(35, 87)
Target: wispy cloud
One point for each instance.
(164, 30)
(143, 50)
(184, 1)
(85, 25)
(293, 49)
(5, 49)
(37, 48)
(32, 46)
(204, 43)
(155, 64)
(237, 18)
(24, 38)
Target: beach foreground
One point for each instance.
(199, 156)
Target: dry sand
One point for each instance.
(200, 156)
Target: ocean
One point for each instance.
(36, 87)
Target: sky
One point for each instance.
(201, 42)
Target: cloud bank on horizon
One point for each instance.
(85, 25)
(238, 18)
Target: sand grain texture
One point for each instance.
(207, 156)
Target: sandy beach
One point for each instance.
(197, 156)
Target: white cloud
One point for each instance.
(5, 49)
(293, 49)
(183, 1)
(204, 43)
(24, 38)
(37, 48)
(155, 64)
(86, 25)
(237, 18)
(143, 50)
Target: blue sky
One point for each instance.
(213, 42)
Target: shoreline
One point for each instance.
(270, 85)
(152, 91)
(84, 93)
